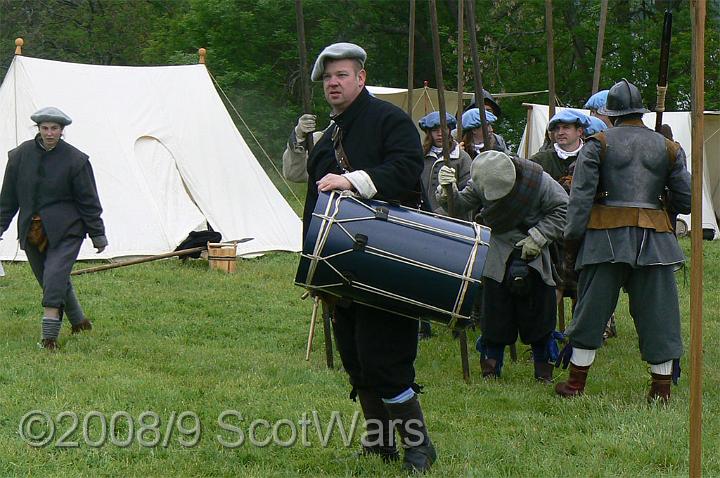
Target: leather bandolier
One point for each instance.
(634, 166)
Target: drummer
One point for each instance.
(525, 208)
(373, 150)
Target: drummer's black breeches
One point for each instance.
(505, 314)
(377, 349)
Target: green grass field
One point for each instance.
(172, 338)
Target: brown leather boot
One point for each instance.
(380, 434)
(659, 388)
(489, 368)
(84, 324)
(575, 384)
(543, 372)
(49, 344)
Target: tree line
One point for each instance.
(253, 53)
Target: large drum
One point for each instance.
(409, 262)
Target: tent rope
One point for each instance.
(254, 138)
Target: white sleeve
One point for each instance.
(362, 183)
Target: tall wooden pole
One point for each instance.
(411, 58)
(460, 75)
(696, 235)
(479, 95)
(446, 154)
(550, 56)
(600, 44)
(304, 75)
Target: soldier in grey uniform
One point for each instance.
(525, 208)
(52, 185)
(618, 233)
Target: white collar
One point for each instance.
(437, 152)
(566, 154)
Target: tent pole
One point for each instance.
(528, 130)
(550, 57)
(696, 235)
(411, 58)
(19, 42)
(599, 47)
(460, 72)
(202, 53)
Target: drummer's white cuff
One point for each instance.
(538, 237)
(362, 183)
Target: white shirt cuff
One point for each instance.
(362, 183)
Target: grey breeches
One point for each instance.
(52, 271)
(654, 307)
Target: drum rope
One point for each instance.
(417, 226)
(414, 302)
(322, 237)
(468, 270)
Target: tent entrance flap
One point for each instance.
(171, 200)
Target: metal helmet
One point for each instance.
(623, 99)
(488, 100)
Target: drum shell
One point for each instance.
(413, 263)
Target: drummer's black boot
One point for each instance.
(419, 451)
(379, 438)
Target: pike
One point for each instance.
(663, 73)
(302, 53)
(142, 260)
(462, 336)
(479, 95)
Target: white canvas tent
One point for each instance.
(537, 121)
(167, 156)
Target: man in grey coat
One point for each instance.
(619, 234)
(525, 208)
(52, 186)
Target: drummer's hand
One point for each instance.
(446, 176)
(331, 182)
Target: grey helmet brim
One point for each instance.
(606, 112)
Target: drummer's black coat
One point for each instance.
(378, 138)
(377, 348)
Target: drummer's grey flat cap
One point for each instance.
(51, 114)
(337, 51)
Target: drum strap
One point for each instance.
(340, 155)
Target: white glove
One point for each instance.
(446, 176)
(305, 125)
(530, 248)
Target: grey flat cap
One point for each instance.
(51, 114)
(494, 174)
(337, 51)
